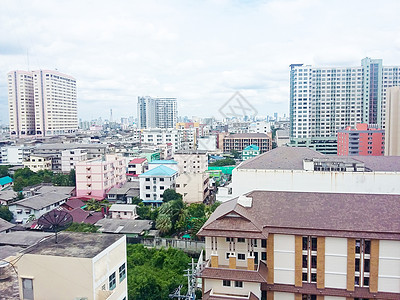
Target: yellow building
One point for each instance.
(80, 266)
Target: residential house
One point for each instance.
(37, 162)
(5, 226)
(136, 167)
(303, 245)
(7, 196)
(129, 227)
(124, 194)
(5, 182)
(123, 211)
(250, 152)
(172, 164)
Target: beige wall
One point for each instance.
(392, 129)
(335, 262)
(389, 266)
(218, 288)
(284, 255)
(191, 186)
(56, 277)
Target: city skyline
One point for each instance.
(200, 53)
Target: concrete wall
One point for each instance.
(283, 296)
(244, 181)
(335, 262)
(191, 186)
(389, 266)
(218, 288)
(284, 264)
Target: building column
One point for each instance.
(374, 269)
(298, 258)
(270, 260)
(351, 262)
(270, 295)
(250, 263)
(232, 261)
(214, 260)
(297, 296)
(320, 297)
(320, 263)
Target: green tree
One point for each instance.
(20, 196)
(223, 162)
(236, 154)
(170, 194)
(5, 213)
(72, 177)
(19, 184)
(4, 171)
(163, 223)
(95, 205)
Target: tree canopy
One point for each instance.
(223, 162)
(5, 213)
(154, 273)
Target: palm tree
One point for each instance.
(163, 223)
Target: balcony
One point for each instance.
(211, 295)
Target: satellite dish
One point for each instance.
(55, 220)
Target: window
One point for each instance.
(239, 284)
(161, 179)
(226, 283)
(309, 260)
(241, 256)
(111, 281)
(264, 243)
(362, 262)
(229, 239)
(263, 255)
(122, 272)
(308, 297)
(241, 240)
(147, 179)
(27, 288)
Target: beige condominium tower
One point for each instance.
(41, 103)
(392, 130)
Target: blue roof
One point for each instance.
(252, 147)
(5, 180)
(159, 171)
(164, 162)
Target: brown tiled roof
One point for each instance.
(324, 214)
(237, 274)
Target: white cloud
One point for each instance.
(198, 51)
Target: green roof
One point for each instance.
(252, 147)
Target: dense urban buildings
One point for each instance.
(41, 103)
(363, 140)
(301, 245)
(157, 112)
(392, 135)
(324, 100)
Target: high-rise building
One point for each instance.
(324, 100)
(363, 140)
(157, 112)
(392, 135)
(41, 103)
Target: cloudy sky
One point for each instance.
(198, 51)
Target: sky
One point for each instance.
(200, 52)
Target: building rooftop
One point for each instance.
(123, 207)
(137, 161)
(61, 146)
(40, 201)
(7, 195)
(164, 162)
(291, 158)
(4, 225)
(159, 171)
(5, 180)
(73, 244)
(22, 238)
(252, 147)
(327, 214)
(192, 152)
(127, 226)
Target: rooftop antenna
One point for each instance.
(55, 220)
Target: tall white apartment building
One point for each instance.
(324, 100)
(41, 103)
(157, 112)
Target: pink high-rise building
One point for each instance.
(95, 177)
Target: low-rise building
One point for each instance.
(136, 167)
(250, 152)
(78, 266)
(123, 211)
(96, 176)
(172, 164)
(154, 182)
(125, 193)
(131, 228)
(297, 245)
(5, 182)
(193, 187)
(35, 206)
(69, 158)
(7, 196)
(191, 161)
(37, 162)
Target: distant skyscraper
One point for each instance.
(324, 100)
(157, 112)
(392, 135)
(41, 103)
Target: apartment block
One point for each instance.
(156, 137)
(69, 158)
(193, 187)
(300, 245)
(392, 133)
(154, 182)
(324, 100)
(136, 167)
(96, 176)
(157, 112)
(37, 162)
(240, 141)
(362, 140)
(41, 103)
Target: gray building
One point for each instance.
(157, 112)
